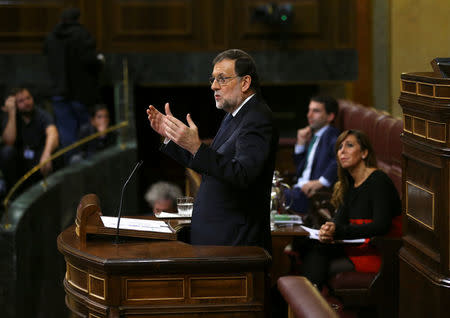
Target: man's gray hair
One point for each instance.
(162, 191)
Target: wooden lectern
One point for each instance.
(88, 221)
(161, 278)
(425, 256)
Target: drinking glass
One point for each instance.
(185, 206)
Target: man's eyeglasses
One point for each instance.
(221, 80)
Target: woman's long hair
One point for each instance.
(344, 179)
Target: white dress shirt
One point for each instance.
(306, 175)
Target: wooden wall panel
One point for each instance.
(24, 24)
(181, 25)
(154, 25)
(315, 24)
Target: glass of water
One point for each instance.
(185, 206)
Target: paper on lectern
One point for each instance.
(136, 224)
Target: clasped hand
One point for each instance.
(172, 128)
(304, 135)
(326, 232)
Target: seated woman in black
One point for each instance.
(367, 202)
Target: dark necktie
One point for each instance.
(311, 144)
(223, 126)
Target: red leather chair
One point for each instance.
(381, 142)
(375, 290)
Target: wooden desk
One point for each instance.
(282, 236)
(143, 278)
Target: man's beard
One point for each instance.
(226, 106)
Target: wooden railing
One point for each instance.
(56, 155)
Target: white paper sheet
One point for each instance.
(167, 215)
(314, 235)
(136, 224)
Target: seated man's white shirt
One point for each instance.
(306, 175)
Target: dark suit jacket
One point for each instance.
(232, 203)
(324, 162)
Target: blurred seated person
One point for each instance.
(162, 197)
(99, 122)
(29, 136)
(367, 205)
(314, 153)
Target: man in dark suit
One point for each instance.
(314, 153)
(232, 203)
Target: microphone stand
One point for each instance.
(121, 199)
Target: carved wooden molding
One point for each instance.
(418, 196)
(77, 277)
(237, 287)
(153, 286)
(438, 91)
(97, 287)
(425, 128)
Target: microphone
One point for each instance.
(121, 198)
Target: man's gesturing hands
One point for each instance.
(172, 128)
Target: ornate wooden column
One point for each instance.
(424, 258)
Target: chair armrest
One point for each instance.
(303, 298)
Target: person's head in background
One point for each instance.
(322, 111)
(100, 117)
(162, 196)
(24, 101)
(70, 16)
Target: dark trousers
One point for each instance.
(319, 261)
(69, 116)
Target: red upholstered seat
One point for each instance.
(369, 122)
(379, 290)
(352, 280)
(344, 116)
(381, 143)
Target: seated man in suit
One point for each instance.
(314, 153)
